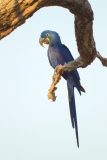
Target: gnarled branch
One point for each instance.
(13, 13)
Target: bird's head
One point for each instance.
(49, 37)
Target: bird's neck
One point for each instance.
(53, 43)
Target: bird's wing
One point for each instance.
(63, 55)
(67, 57)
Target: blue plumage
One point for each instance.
(60, 54)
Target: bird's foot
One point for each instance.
(59, 70)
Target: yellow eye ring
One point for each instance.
(47, 34)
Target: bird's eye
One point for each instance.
(47, 34)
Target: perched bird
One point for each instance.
(58, 54)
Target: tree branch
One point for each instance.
(13, 13)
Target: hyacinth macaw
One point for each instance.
(58, 54)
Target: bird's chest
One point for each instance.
(54, 56)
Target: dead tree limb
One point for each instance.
(13, 13)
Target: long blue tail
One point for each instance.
(72, 107)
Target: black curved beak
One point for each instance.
(43, 40)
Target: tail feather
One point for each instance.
(81, 88)
(72, 107)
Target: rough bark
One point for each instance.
(13, 13)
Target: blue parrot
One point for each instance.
(58, 54)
